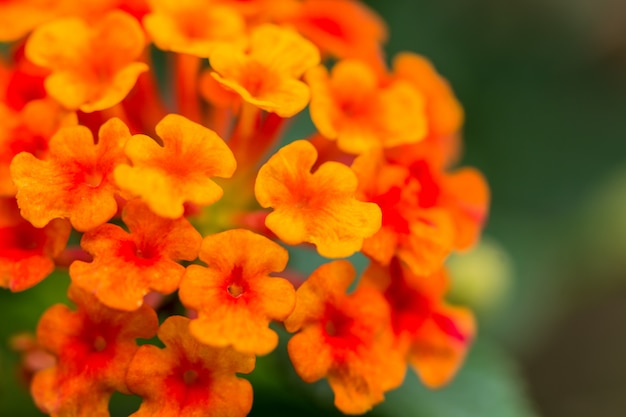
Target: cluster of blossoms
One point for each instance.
(140, 149)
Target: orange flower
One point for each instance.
(180, 171)
(126, 266)
(426, 213)
(266, 75)
(27, 253)
(445, 114)
(93, 66)
(341, 28)
(94, 346)
(235, 297)
(435, 334)
(75, 180)
(189, 379)
(346, 338)
(192, 27)
(319, 207)
(353, 107)
(28, 131)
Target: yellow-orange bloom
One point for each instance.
(346, 338)
(27, 253)
(435, 335)
(18, 17)
(193, 27)
(267, 74)
(75, 180)
(126, 266)
(319, 207)
(187, 378)
(93, 66)
(235, 297)
(94, 346)
(353, 107)
(180, 171)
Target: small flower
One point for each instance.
(27, 253)
(188, 378)
(94, 346)
(235, 297)
(180, 171)
(346, 338)
(354, 107)
(193, 27)
(267, 74)
(126, 266)
(435, 335)
(319, 207)
(93, 66)
(75, 180)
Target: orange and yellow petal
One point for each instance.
(126, 266)
(318, 208)
(94, 346)
(187, 378)
(74, 181)
(94, 66)
(180, 171)
(235, 297)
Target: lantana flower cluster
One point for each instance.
(142, 149)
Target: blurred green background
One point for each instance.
(543, 83)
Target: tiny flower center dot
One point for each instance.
(235, 290)
(99, 344)
(190, 376)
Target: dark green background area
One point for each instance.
(543, 84)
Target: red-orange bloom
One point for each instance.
(126, 266)
(27, 253)
(435, 334)
(342, 28)
(180, 171)
(76, 178)
(94, 346)
(193, 27)
(188, 378)
(267, 74)
(319, 207)
(28, 131)
(235, 297)
(346, 338)
(425, 212)
(355, 108)
(93, 66)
